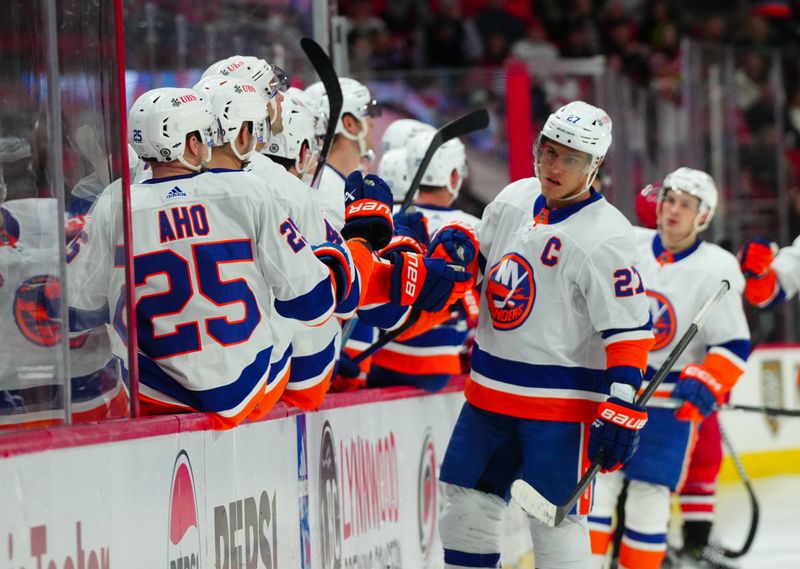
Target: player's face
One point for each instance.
(562, 170)
(676, 214)
(275, 112)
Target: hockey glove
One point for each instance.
(414, 225)
(339, 261)
(700, 391)
(401, 243)
(614, 435)
(456, 243)
(424, 283)
(761, 282)
(367, 210)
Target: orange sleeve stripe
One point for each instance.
(379, 287)
(259, 407)
(600, 540)
(363, 259)
(723, 370)
(632, 353)
(417, 365)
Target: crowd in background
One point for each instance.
(640, 39)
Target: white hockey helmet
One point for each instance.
(695, 183)
(313, 98)
(233, 103)
(448, 157)
(160, 120)
(580, 126)
(393, 169)
(299, 126)
(358, 102)
(267, 77)
(398, 133)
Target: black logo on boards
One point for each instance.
(330, 502)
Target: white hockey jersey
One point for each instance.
(213, 253)
(30, 317)
(330, 195)
(563, 311)
(314, 350)
(677, 287)
(787, 266)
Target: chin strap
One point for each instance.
(196, 167)
(361, 139)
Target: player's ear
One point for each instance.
(351, 124)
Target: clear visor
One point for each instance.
(547, 154)
(279, 82)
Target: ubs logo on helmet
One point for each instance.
(510, 292)
(427, 500)
(184, 533)
(330, 502)
(37, 307)
(664, 322)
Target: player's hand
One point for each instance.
(700, 392)
(457, 244)
(761, 282)
(367, 209)
(347, 376)
(401, 243)
(425, 283)
(614, 435)
(412, 224)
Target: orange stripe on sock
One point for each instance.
(601, 541)
(632, 558)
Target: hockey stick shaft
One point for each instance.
(766, 410)
(754, 508)
(475, 120)
(642, 400)
(327, 74)
(389, 336)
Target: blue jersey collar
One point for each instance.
(170, 178)
(544, 216)
(664, 257)
(337, 171)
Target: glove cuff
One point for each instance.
(623, 414)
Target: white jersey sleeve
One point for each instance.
(787, 266)
(330, 196)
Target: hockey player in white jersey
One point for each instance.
(31, 380)
(429, 353)
(400, 132)
(681, 271)
(288, 160)
(770, 278)
(352, 142)
(210, 251)
(562, 340)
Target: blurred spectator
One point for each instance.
(750, 78)
(494, 20)
(793, 117)
(450, 39)
(656, 21)
(535, 44)
(579, 31)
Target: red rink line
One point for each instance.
(40, 440)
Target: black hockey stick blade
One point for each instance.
(754, 509)
(475, 120)
(773, 411)
(327, 74)
(543, 509)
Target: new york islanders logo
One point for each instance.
(184, 530)
(510, 292)
(664, 321)
(37, 305)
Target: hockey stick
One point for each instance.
(548, 513)
(766, 410)
(750, 492)
(327, 74)
(476, 120)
